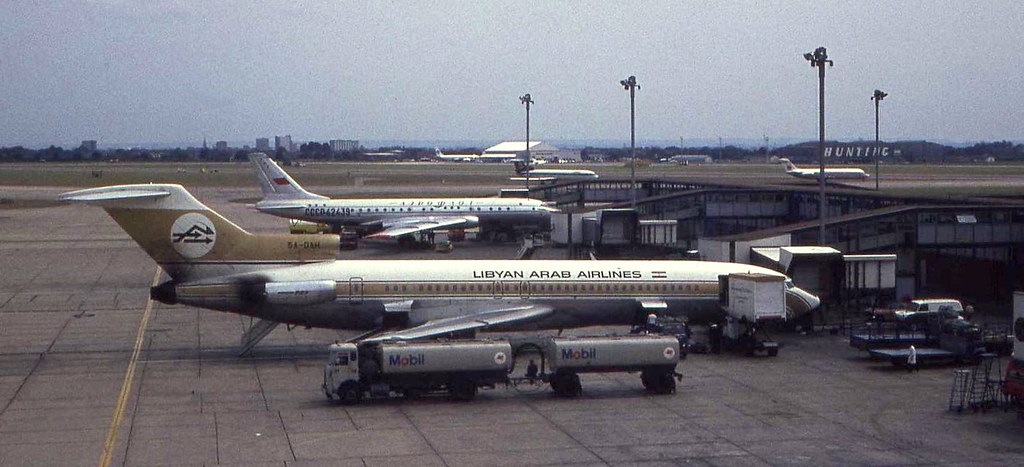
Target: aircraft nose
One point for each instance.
(800, 301)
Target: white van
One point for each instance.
(920, 310)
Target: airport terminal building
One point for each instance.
(968, 249)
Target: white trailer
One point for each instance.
(654, 356)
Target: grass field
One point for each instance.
(455, 179)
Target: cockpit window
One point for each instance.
(789, 284)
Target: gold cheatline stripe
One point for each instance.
(126, 387)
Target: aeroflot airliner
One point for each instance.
(390, 218)
(214, 264)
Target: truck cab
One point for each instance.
(341, 374)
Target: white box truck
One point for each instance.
(749, 301)
(757, 297)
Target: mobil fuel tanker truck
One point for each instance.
(355, 371)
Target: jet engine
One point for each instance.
(299, 292)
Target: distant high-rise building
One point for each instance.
(283, 142)
(263, 144)
(221, 145)
(342, 145)
(89, 144)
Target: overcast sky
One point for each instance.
(176, 71)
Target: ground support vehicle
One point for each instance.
(382, 369)
(918, 310)
(879, 334)
(671, 326)
(355, 371)
(750, 301)
(959, 341)
(565, 358)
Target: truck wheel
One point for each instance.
(566, 384)
(462, 388)
(350, 393)
(773, 352)
(667, 383)
(647, 380)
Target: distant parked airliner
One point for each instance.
(836, 173)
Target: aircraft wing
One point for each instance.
(476, 321)
(410, 225)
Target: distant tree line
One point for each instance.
(1000, 150)
(725, 153)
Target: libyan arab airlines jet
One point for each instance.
(391, 218)
(215, 264)
(836, 173)
(527, 172)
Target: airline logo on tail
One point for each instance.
(193, 235)
(281, 181)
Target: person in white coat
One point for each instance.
(912, 359)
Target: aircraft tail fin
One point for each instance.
(189, 240)
(790, 166)
(274, 182)
(438, 153)
(521, 167)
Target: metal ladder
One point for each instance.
(958, 394)
(976, 388)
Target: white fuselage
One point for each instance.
(558, 173)
(581, 293)
(830, 173)
(523, 213)
(836, 173)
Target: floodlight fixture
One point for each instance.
(818, 59)
(527, 100)
(877, 97)
(630, 85)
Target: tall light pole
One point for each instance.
(630, 85)
(526, 99)
(877, 97)
(818, 59)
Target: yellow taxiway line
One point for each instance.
(126, 387)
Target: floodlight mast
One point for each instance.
(526, 99)
(818, 59)
(630, 85)
(877, 97)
